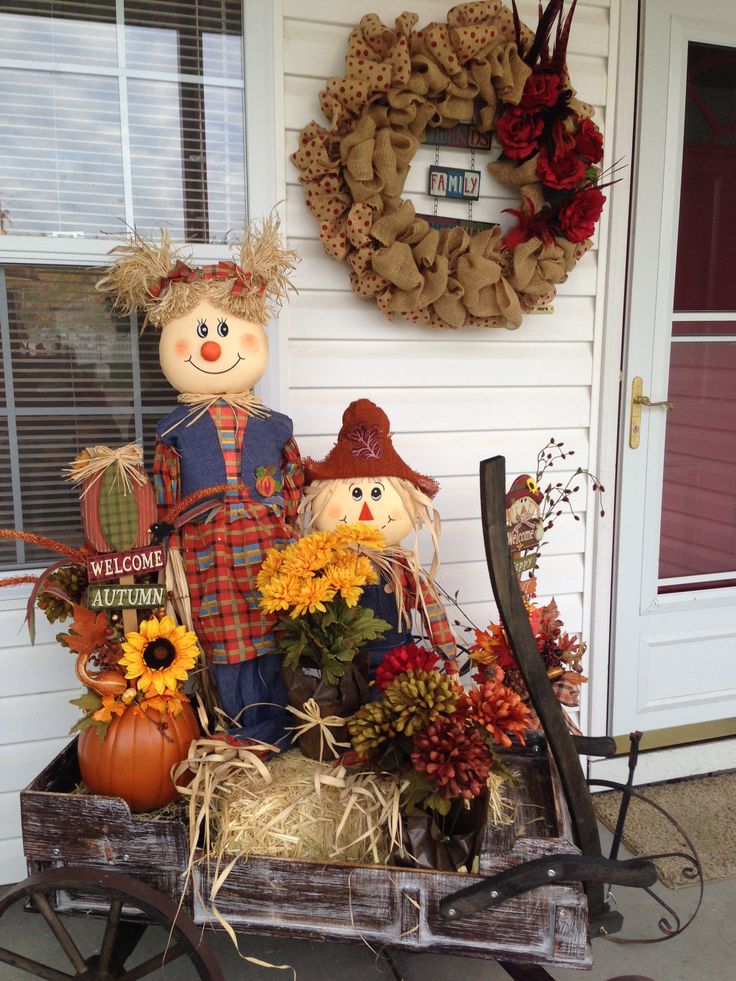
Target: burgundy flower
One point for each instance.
(519, 131)
(456, 759)
(560, 171)
(541, 91)
(578, 217)
(408, 657)
(589, 141)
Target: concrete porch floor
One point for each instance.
(705, 952)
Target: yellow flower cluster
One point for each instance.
(311, 572)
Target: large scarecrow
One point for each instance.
(364, 479)
(213, 350)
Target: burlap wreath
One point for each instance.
(482, 66)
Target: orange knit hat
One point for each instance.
(364, 449)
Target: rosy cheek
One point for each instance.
(182, 349)
(334, 511)
(249, 343)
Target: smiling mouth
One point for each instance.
(223, 372)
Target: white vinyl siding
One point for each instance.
(453, 397)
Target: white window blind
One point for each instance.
(122, 111)
(112, 112)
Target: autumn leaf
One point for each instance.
(88, 631)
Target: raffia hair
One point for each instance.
(143, 264)
(418, 506)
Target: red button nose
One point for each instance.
(210, 351)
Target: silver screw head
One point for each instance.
(56, 851)
(126, 857)
(551, 874)
(494, 893)
(451, 912)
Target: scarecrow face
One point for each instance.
(210, 351)
(372, 500)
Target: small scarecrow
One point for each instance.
(213, 350)
(363, 479)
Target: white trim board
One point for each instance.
(668, 764)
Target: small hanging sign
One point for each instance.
(126, 597)
(524, 528)
(463, 136)
(451, 182)
(471, 227)
(136, 561)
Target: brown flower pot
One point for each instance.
(342, 699)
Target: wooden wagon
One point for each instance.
(536, 900)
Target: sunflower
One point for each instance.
(161, 655)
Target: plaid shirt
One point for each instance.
(223, 552)
(435, 620)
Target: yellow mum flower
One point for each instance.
(343, 578)
(361, 534)
(279, 594)
(269, 568)
(161, 655)
(312, 596)
(310, 555)
(365, 568)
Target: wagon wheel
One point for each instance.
(118, 936)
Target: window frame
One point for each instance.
(264, 168)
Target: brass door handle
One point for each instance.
(638, 399)
(645, 400)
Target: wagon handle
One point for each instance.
(516, 623)
(551, 871)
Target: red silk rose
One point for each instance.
(518, 132)
(561, 171)
(578, 217)
(541, 91)
(589, 141)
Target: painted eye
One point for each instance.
(376, 493)
(202, 329)
(222, 328)
(357, 494)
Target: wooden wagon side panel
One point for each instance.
(63, 828)
(394, 907)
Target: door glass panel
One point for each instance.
(698, 530)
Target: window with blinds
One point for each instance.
(112, 113)
(122, 111)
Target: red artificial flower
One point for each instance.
(531, 225)
(589, 141)
(408, 657)
(499, 710)
(578, 217)
(560, 171)
(519, 131)
(563, 140)
(541, 91)
(456, 759)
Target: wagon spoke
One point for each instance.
(60, 932)
(154, 963)
(35, 968)
(111, 933)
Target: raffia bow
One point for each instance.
(200, 404)
(312, 717)
(94, 461)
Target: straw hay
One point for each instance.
(297, 808)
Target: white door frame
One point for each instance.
(610, 319)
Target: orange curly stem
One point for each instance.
(43, 542)
(173, 513)
(17, 580)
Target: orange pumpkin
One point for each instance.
(135, 758)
